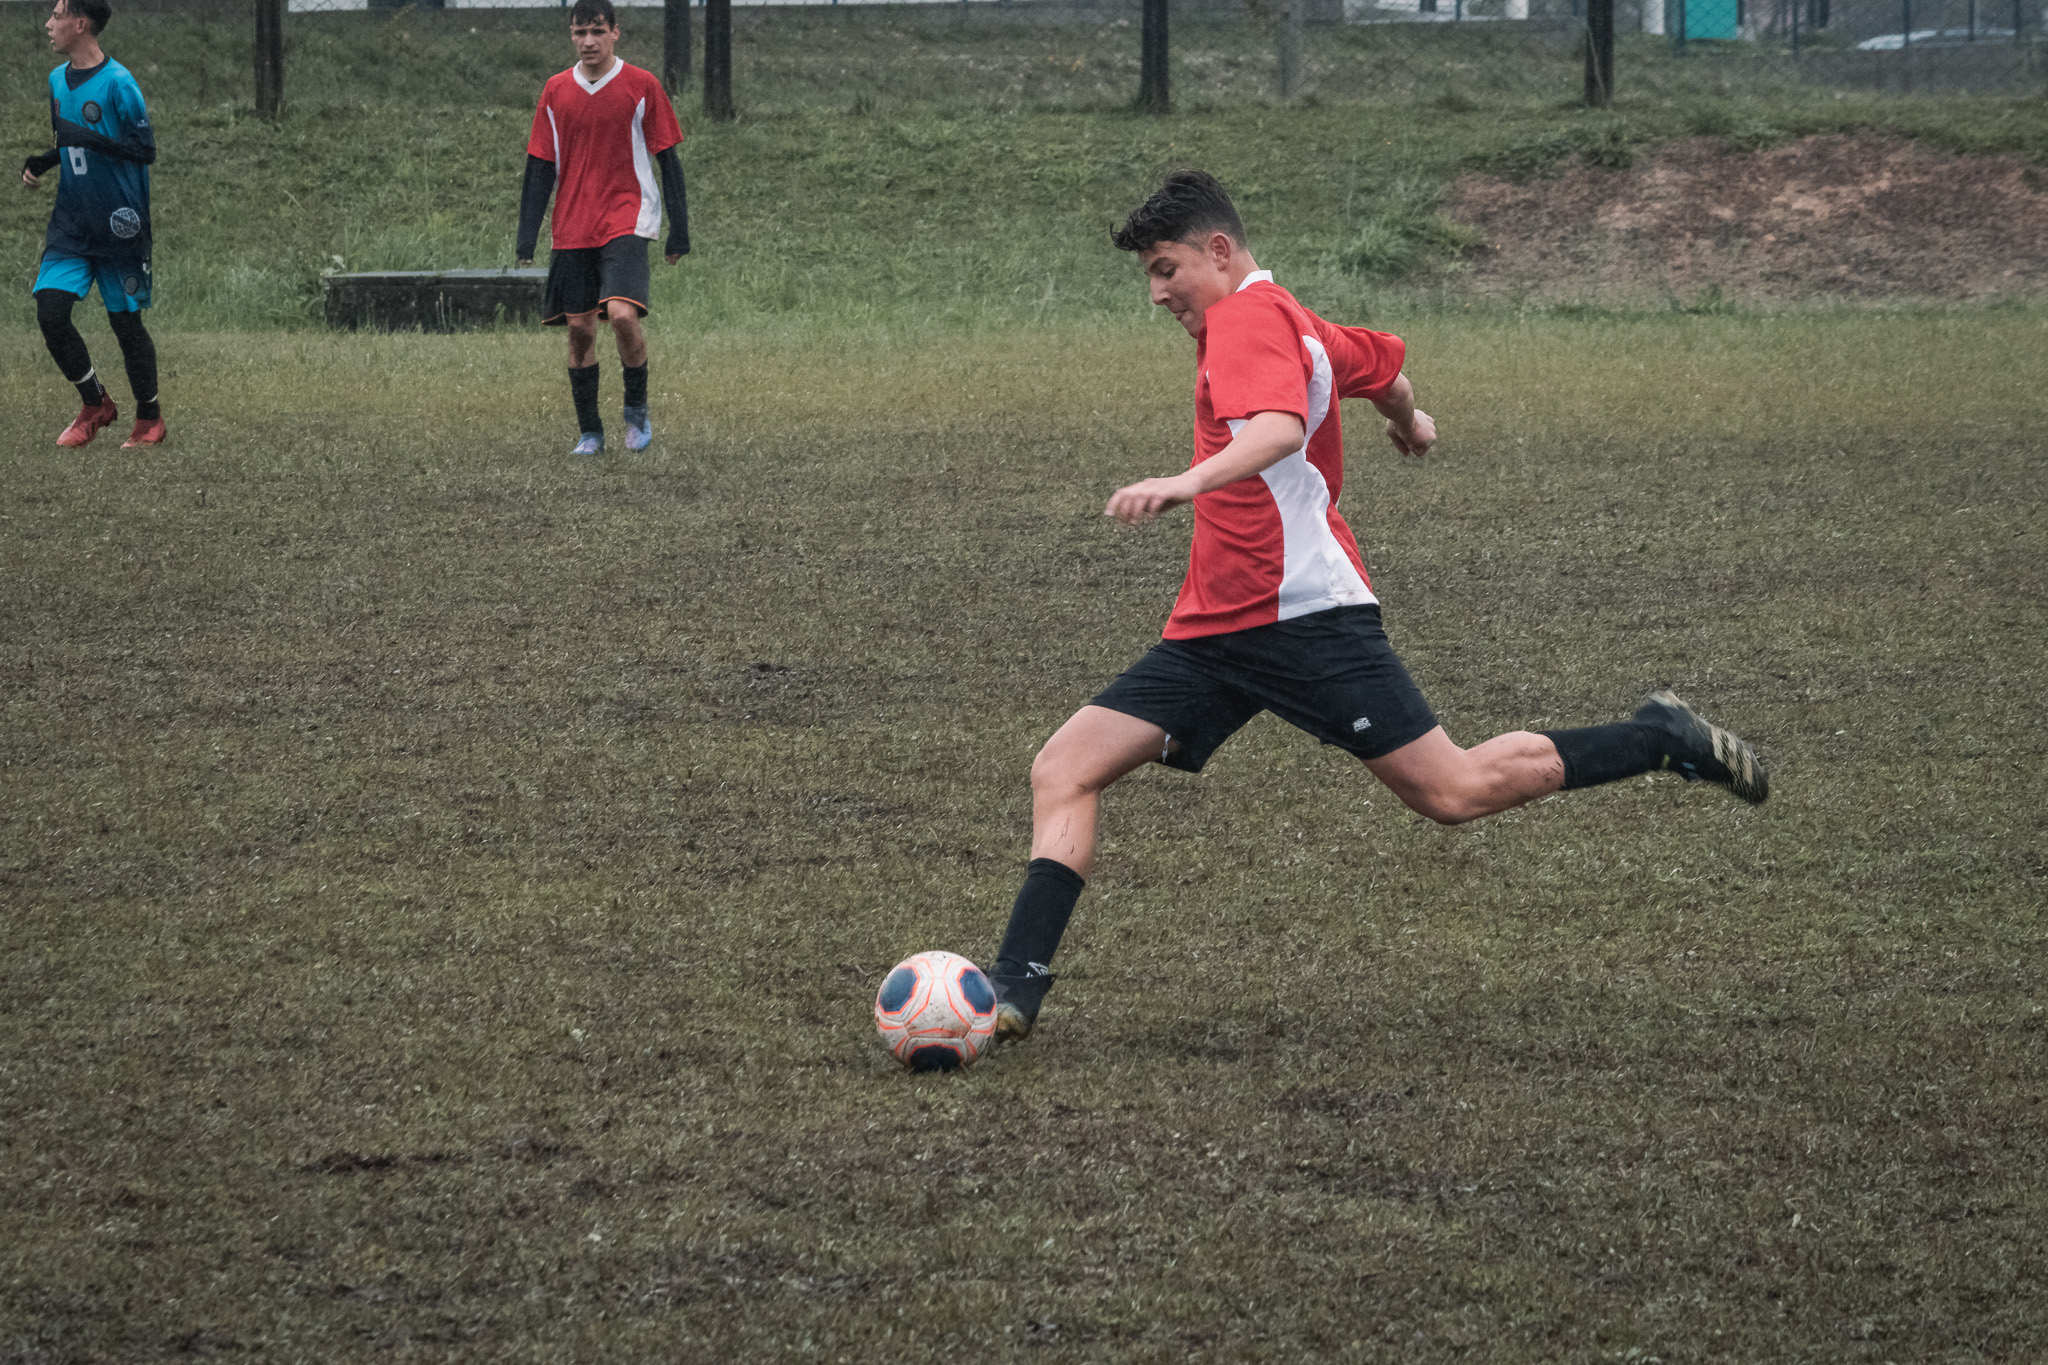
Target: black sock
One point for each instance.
(67, 347)
(583, 388)
(636, 385)
(138, 355)
(1607, 753)
(1044, 904)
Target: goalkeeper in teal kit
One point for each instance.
(99, 231)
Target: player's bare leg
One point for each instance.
(1087, 754)
(1082, 759)
(1434, 777)
(632, 339)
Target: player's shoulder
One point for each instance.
(1258, 307)
(642, 81)
(117, 74)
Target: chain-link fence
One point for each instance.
(1380, 49)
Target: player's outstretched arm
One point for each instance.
(1411, 429)
(1263, 441)
(533, 205)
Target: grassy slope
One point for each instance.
(445, 887)
(405, 141)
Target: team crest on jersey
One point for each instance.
(125, 223)
(91, 111)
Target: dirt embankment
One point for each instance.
(1834, 216)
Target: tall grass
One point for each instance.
(404, 139)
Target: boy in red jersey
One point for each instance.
(1276, 613)
(601, 129)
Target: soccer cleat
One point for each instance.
(149, 431)
(590, 443)
(639, 430)
(1017, 1002)
(87, 424)
(1700, 752)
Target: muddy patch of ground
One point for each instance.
(1834, 216)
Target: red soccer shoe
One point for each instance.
(149, 431)
(87, 424)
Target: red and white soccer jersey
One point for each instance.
(1273, 547)
(603, 136)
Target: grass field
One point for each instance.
(445, 887)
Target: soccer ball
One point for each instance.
(936, 1012)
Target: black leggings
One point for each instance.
(67, 347)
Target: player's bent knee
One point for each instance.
(1057, 777)
(1446, 806)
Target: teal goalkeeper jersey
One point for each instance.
(104, 147)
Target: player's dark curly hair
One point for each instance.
(97, 11)
(1189, 205)
(593, 12)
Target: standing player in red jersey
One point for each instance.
(1276, 613)
(601, 129)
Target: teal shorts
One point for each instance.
(124, 286)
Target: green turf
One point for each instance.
(445, 884)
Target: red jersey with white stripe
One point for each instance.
(1272, 547)
(603, 136)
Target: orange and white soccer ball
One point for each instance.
(936, 1012)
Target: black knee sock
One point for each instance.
(138, 355)
(1038, 919)
(636, 385)
(583, 388)
(1607, 753)
(67, 347)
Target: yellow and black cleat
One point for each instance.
(1702, 752)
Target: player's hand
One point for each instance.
(1417, 437)
(30, 178)
(1138, 503)
(673, 257)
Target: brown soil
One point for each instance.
(1834, 216)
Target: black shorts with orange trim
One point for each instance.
(585, 279)
(1331, 673)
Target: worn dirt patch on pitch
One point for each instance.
(1845, 216)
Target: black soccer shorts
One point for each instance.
(1331, 673)
(584, 279)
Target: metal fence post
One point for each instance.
(269, 57)
(675, 45)
(1154, 95)
(1290, 48)
(1599, 52)
(718, 60)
